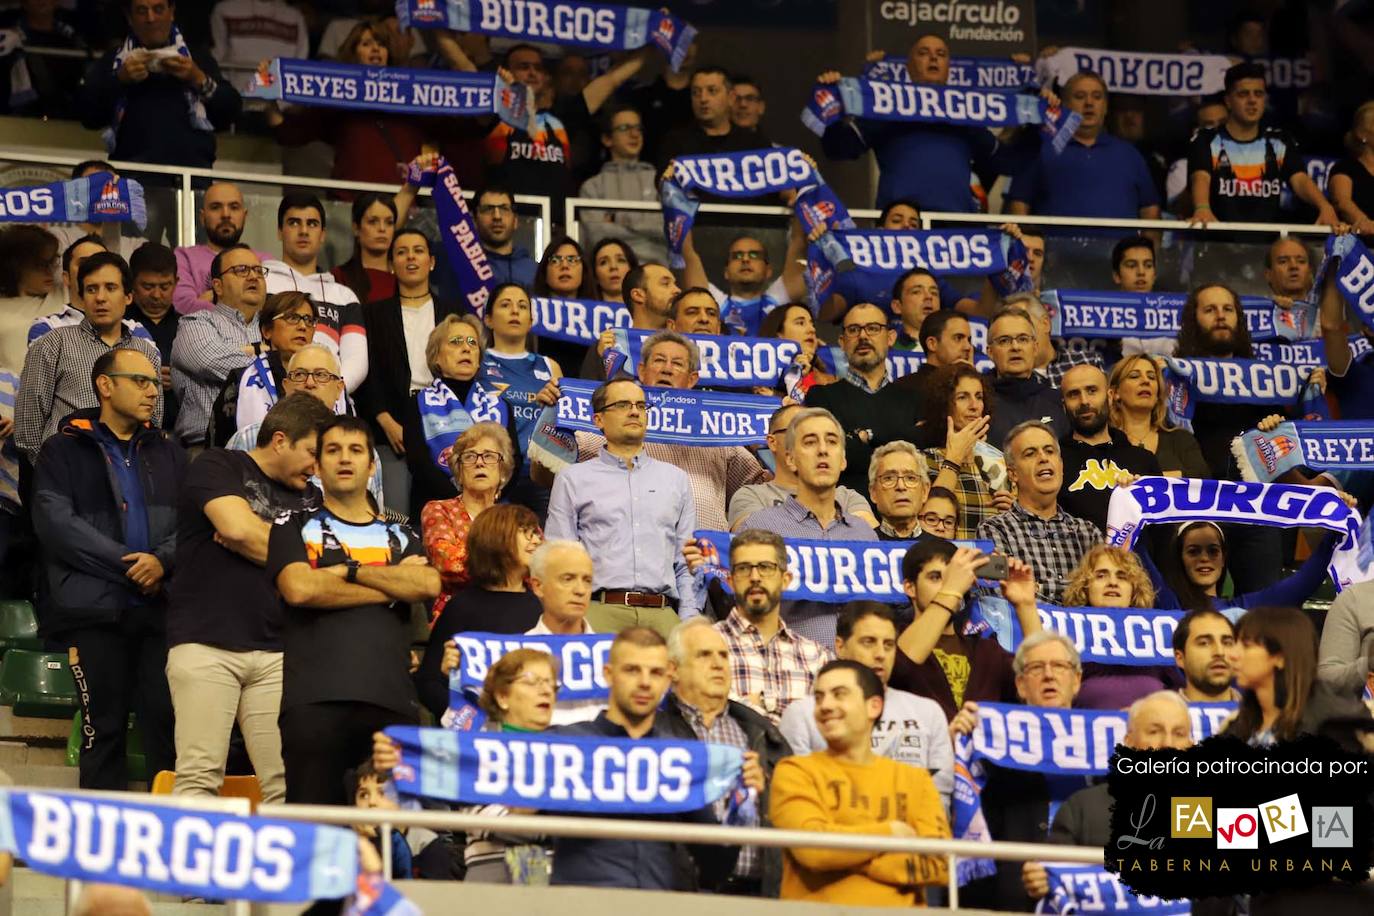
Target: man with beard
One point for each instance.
(1097, 458)
(649, 290)
(871, 411)
(222, 216)
(1205, 649)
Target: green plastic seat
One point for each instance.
(18, 626)
(37, 684)
(134, 759)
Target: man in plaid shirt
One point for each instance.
(1035, 529)
(770, 665)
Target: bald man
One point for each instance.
(1096, 456)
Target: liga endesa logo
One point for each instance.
(1225, 818)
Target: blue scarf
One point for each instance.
(964, 72)
(443, 417)
(375, 897)
(582, 25)
(726, 361)
(579, 663)
(930, 103)
(579, 321)
(397, 90)
(886, 254)
(97, 198)
(466, 256)
(1115, 314)
(195, 107)
(1163, 499)
(899, 362)
(1138, 72)
(679, 417)
(744, 175)
(1322, 446)
(586, 774)
(1078, 889)
(1354, 267)
(834, 572)
(1228, 381)
(1305, 352)
(174, 850)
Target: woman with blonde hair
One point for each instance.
(1135, 405)
(1351, 185)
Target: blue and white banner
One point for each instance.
(726, 361)
(176, 850)
(1151, 500)
(1079, 890)
(680, 417)
(374, 896)
(579, 661)
(1354, 267)
(1116, 314)
(1304, 352)
(931, 103)
(577, 773)
(98, 198)
(397, 90)
(1228, 381)
(886, 254)
(1330, 445)
(835, 572)
(584, 25)
(458, 231)
(964, 72)
(578, 321)
(1139, 72)
(899, 362)
(444, 416)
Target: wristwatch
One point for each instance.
(352, 566)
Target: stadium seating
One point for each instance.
(38, 684)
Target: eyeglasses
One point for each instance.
(469, 341)
(748, 98)
(245, 270)
(537, 680)
(872, 329)
(628, 128)
(321, 376)
(1202, 550)
(766, 569)
(142, 382)
(750, 255)
(889, 481)
(296, 318)
(473, 458)
(1039, 669)
(639, 406)
(1006, 340)
(931, 521)
(488, 209)
(569, 259)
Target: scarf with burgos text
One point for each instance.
(964, 72)
(1152, 500)
(1115, 314)
(584, 25)
(933, 103)
(1354, 267)
(585, 774)
(1079, 889)
(175, 47)
(1231, 381)
(98, 198)
(395, 90)
(1139, 72)
(1305, 352)
(177, 850)
(444, 416)
(579, 321)
(886, 254)
(580, 663)
(1066, 746)
(458, 233)
(752, 173)
(1325, 445)
(726, 361)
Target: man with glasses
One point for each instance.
(771, 664)
(898, 478)
(105, 513)
(213, 343)
(633, 513)
(624, 177)
(286, 323)
(1020, 394)
(748, 106)
(871, 411)
(751, 291)
(940, 515)
(496, 219)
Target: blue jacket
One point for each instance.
(79, 515)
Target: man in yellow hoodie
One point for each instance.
(849, 789)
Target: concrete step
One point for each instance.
(16, 753)
(44, 776)
(14, 727)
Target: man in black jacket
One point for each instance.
(105, 494)
(1020, 395)
(699, 707)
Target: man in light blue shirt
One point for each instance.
(633, 514)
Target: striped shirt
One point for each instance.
(57, 381)
(769, 675)
(1052, 546)
(208, 347)
(9, 454)
(724, 730)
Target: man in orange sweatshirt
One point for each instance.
(849, 789)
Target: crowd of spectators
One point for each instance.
(222, 457)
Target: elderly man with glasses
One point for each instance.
(213, 343)
(898, 479)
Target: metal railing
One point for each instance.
(659, 832)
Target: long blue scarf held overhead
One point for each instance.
(1116, 314)
(1139, 72)
(1152, 500)
(175, 850)
(1082, 889)
(743, 175)
(678, 416)
(726, 361)
(458, 233)
(899, 362)
(887, 254)
(1354, 267)
(1328, 445)
(1228, 381)
(964, 72)
(444, 416)
(578, 321)
(98, 198)
(396, 90)
(584, 25)
(931, 103)
(575, 773)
